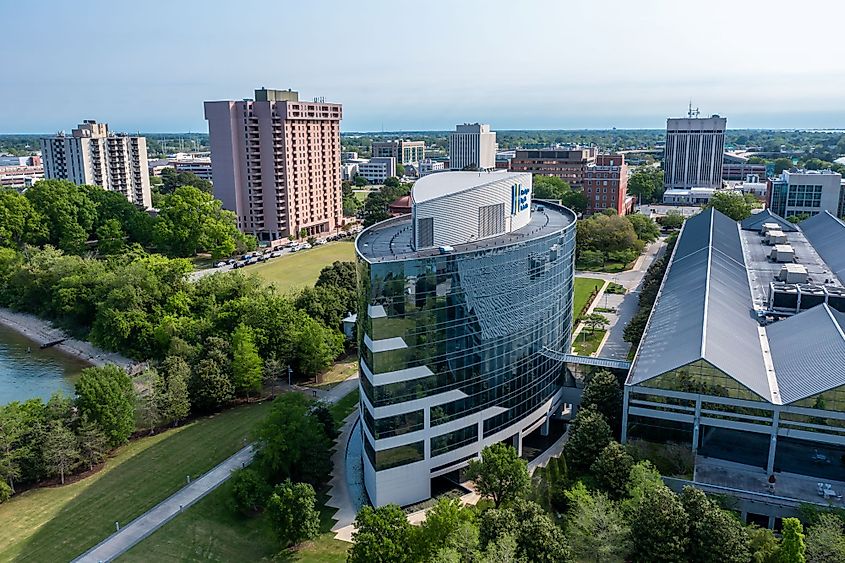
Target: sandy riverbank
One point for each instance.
(41, 332)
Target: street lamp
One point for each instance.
(289, 374)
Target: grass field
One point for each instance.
(59, 523)
(211, 531)
(340, 371)
(587, 342)
(583, 288)
(300, 269)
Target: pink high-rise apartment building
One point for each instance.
(276, 163)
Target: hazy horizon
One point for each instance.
(398, 67)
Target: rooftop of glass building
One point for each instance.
(391, 239)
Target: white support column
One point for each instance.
(517, 443)
(624, 437)
(773, 443)
(544, 430)
(695, 424)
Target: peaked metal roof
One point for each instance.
(755, 221)
(704, 309)
(827, 235)
(822, 330)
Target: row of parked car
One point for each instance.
(264, 255)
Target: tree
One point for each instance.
(646, 183)
(575, 200)
(210, 386)
(550, 187)
(382, 535)
(20, 223)
(500, 474)
(60, 451)
(250, 490)
(672, 220)
(792, 545)
(551, 483)
(344, 277)
(314, 346)
(644, 227)
(502, 550)
(105, 396)
(714, 535)
(595, 321)
(538, 538)
(360, 181)
(763, 545)
(68, 211)
(589, 434)
(291, 442)
(658, 527)
(5, 492)
(191, 221)
(175, 399)
(246, 363)
(291, 512)
(326, 304)
(798, 217)
(443, 527)
(595, 527)
(826, 540)
(731, 204)
(172, 179)
(392, 182)
(782, 164)
(110, 237)
(602, 393)
(612, 469)
(92, 443)
(606, 233)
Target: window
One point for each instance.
(425, 232)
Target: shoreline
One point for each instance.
(42, 332)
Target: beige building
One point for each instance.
(276, 162)
(472, 146)
(93, 155)
(405, 152)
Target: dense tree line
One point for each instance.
(79, 219)
(375, 207)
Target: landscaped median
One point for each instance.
(60, 523)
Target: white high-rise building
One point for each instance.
(472, 145)
(693, 153)
(92, 155)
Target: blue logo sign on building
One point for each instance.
(519, 198)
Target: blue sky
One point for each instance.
(425, 65)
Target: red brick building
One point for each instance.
(606, 185)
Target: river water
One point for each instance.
(27, 372)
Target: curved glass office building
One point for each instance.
(458, 301)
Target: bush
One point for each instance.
(615, 289)
(5, 492)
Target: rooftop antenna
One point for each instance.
(693, 113)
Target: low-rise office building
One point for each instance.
(404, 151)
(427, 166)
(377, 170)
(568, 164)
(741, 367)
(459, 301)
(796, 192)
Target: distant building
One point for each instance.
(606, 184)
(377, 170)
(348, 155)
(689, 196)
(20, 177)
(197, 165)
(503, 159)
(428, 166)
(400, 206)
(276, 162)
(93, 155)
(9, 160)
(796, 192)
(694, 152)
(472, 146)
(739, 171)
(348, 170)
(405, 152)
(568, 164)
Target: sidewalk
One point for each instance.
(120, 542)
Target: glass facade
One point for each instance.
(470, 322)
(702, 377)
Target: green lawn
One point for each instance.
(300, 269)
(583, 288)
(340, 371)
(608, 268)
(361, 195)
(211, 531)
(59, 523)
(587, 342)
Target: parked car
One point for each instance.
(220, 264)
(238, 264)
(305, 246)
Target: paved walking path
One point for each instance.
(120, 542)
(132, 533)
